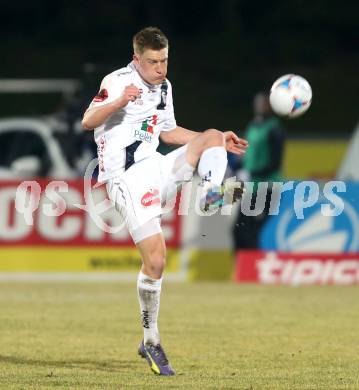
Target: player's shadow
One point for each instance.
(86, 364)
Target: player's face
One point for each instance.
(261, 104)
(152, 65)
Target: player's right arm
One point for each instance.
(99, 110)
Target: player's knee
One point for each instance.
(213, 137)
(156, 260)
(157, 263)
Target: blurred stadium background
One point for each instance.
(222, 53)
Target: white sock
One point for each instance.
(213, 164)
(149, 291)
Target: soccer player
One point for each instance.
(132, 109)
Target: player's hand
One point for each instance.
(234, 144)
(130, 94)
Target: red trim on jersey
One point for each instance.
(101, 96)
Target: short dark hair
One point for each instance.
(149, 38)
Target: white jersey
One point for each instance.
(132, 133)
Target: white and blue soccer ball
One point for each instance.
(290, 96)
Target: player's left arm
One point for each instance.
(178, 136)
(181, 136)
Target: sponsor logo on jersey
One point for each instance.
(101, 96)
(150, 198)
(139, 100)
(143, 136)
(146, 131)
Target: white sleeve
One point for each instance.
(170, 122)
(111, 89)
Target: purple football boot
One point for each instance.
(227, 193)
(156, 358)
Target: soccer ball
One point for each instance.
(290, 96)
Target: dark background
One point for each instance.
(221, 54)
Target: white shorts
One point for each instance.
(140, 193)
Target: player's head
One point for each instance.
(150, 47)
(261, 106)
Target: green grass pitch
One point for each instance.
(84, 335)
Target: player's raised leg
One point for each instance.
(209, 151)
(153, 252)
